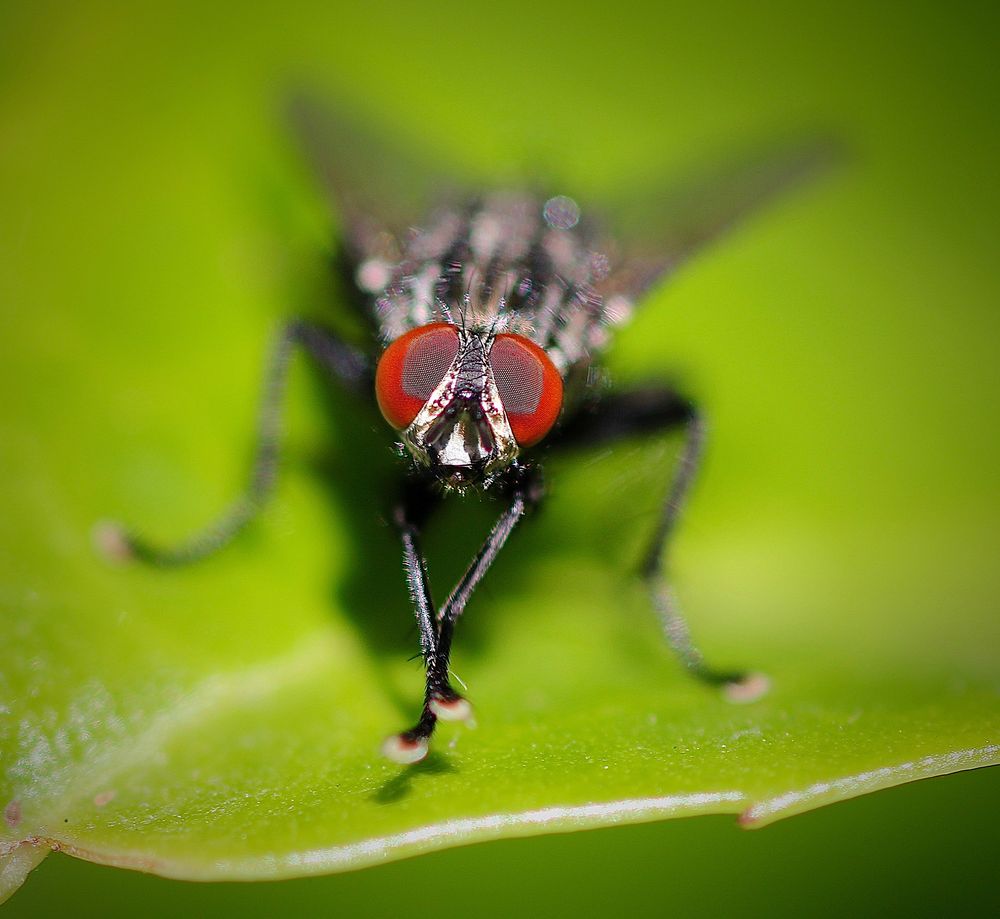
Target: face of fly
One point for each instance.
(462, 433)
(466, 401)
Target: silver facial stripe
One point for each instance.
(463, 423)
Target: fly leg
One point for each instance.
(333, 355)
(441, 700)
(527, 492)
(646, 411)
(411, 514)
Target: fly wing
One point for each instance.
(661, 229)
(377, 187)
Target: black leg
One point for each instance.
(441, 700)
(340, 360)
(411, 514)
(645, 411)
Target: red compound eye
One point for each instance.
(530, 387)
(411, 368)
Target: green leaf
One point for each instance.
(224, 721)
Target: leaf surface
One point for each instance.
(224, 721)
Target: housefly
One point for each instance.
(487, 326)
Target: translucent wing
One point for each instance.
(376, 186)
(661, 229)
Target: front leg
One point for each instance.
(418, 501)
(441, 700)
(648, 411)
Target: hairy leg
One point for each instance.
(441, 700)
(336, 357)
(648, 411)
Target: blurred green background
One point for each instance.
(845, 345)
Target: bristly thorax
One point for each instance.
(510, 262)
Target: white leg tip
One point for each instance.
(403, 751)
(111, 541)
(752, 687)
(452, 710)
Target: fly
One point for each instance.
(487, 326)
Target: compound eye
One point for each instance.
(529, 385)
(411, 368)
